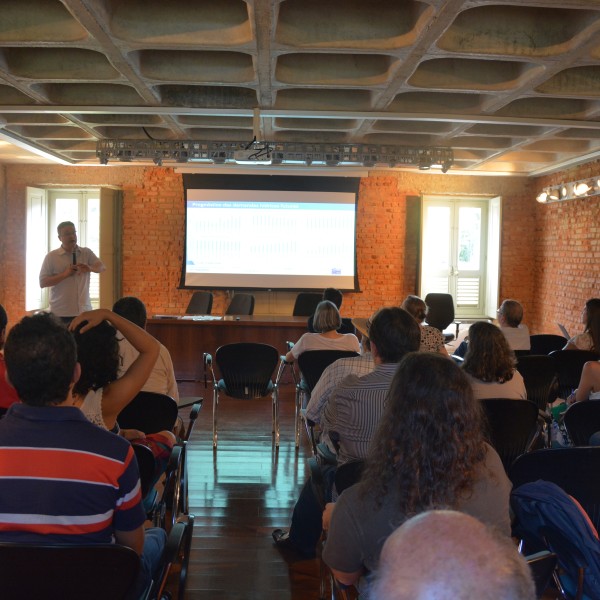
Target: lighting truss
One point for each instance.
(274, 153)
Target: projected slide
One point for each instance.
(266, 238)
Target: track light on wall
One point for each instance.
(572, 190)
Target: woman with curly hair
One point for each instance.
(99, 393)
(590, 338)
(429, 452)
(432, 339)
(490, 364)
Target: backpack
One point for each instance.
(547, 516)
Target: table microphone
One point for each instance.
(74, 258)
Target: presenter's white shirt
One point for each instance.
(71, 296)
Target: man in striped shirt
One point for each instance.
(65, 480)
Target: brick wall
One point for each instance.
(153, 224)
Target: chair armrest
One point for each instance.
(185, 401)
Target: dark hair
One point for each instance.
(394, 332)
(488, 357)
(98, 355)
(429, 441)
(40, 357)
(416, 307)
(326, 317)
(63, 225)
(592, 322)
(512, 311)
(334, 296)
(3, 323)
(132, 309)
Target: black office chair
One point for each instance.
(544, 343)
(306, 303)
(569, 365)
(582, 420)
(440, 313)
(200, 304)
(241, 304)
(93, 572)
(512, 426)
(311, 364)
(246, 372)
(575, 470)
(151, 412)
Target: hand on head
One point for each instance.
(91, 318)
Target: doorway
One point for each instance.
(460, 252)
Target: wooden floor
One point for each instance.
(239, 495)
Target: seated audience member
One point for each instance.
(357, 403)
(590, 338)
(8, 394)
(589, 384)
(490, 364)
(327, 321)
(334, 373)
(432, 339)
(42, 441)
(99, 394)
(452, 555)
(510, 315)
(336, 297)
(428, 452)
(353, 411)
(162, 378)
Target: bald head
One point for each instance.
(446, 554)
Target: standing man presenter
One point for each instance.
(66, 271)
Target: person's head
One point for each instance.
(430, 436)
(393, 333)
(448, 554)
(592, 321)
(41, 360)
(510, 313)
(3, 324)
(67, 235)
(98, 355)
(132, 309)
(488, 357)
(334, 296)
(327, 317)
(416, 307)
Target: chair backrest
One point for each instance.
(569, 365)
(544, 343)
(540, 377)
(582, 419)
(247, 368)
(241, 304)
(575, 470)
(312, 363)
(545, 514)
(200, 304)
(67, 571)
(146, 466)
(149, 412)
(440, 310)
(306, 303)
(511, 426)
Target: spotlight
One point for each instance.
(581, 189)
(542, 197)
(158, 161)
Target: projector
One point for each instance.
(254, 155)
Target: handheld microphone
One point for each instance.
(74, 258)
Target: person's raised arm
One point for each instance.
(117, 394)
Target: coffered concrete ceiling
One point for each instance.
(510, 87)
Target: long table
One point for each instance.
(187, 339)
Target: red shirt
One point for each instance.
(8, 394)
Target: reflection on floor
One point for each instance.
(239, 495)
